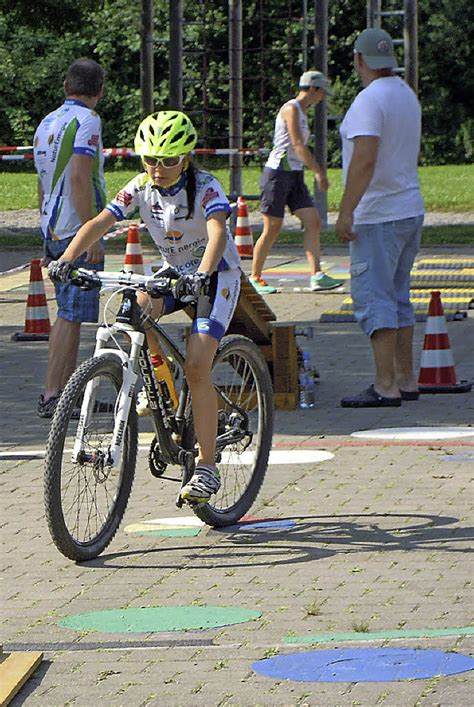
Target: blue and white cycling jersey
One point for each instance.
(180, 241)
(71, 129)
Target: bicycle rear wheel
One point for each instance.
(85, 499)
(245, 395)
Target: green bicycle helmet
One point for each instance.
(165, 134)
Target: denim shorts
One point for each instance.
(279, 188)
(74, 304)
(382, 257)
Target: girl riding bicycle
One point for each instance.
(185, 211)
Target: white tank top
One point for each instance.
(283, 155)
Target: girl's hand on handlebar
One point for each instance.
(60, 270)
(188, 287)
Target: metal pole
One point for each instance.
(410, 42)
(146, 58)
(320, 120)
(304, 43)
(235, 97)
(373, 13)
(176, 54)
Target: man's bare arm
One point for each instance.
(359, 175)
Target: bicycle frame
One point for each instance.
(135, 363)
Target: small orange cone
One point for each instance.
(243, 232)
(437, 374)
(133, 255)
(37, 326)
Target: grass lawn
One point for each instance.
(445, 188)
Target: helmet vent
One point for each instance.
(179, 136)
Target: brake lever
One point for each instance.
(159, 286)
(84, 282)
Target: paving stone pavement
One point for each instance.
(382, 542)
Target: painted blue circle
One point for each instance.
(259, 525)
(363, 665)
(458, 458)
(268, 525)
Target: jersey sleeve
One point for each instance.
(212, 198)
(87, 140)
(126, 201)
(365, 118)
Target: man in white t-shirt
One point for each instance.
(69, 160)
(381, 216)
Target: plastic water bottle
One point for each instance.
(306, 381)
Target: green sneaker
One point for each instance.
(262, 287)
(323, 282)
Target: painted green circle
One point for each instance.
(171, 532)
(158, 619)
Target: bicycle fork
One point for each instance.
(123, 401)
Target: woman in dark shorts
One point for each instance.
(282, 184)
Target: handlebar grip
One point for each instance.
(84, 280)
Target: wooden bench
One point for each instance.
(277, 342)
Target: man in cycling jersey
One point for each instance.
(185, 211)
(71, 190)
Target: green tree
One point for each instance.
(38, 40)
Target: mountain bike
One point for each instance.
(92, 445)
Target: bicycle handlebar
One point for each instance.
(153, 284)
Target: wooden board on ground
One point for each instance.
(15, 669)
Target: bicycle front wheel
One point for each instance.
(85, 495)
(245, 429)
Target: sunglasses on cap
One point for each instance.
(164, 161)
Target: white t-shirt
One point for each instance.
(72, 129)
(283, 155)
(180, 241)
(386, 108)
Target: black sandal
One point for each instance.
(370, 399)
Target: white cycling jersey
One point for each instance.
(71, 129)
(181, 241)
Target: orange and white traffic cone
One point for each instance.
(437, 374)
(37, 326)
(243, 232)
(133, 254)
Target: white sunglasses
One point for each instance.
(165, 162)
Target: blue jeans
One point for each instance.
(382, 257)
(74, 304)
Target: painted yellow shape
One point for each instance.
(143, 527)
(10, 282)
(15, 669)
(145, 437)
(165, 524)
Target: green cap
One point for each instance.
(316, 79)
(376, 46)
